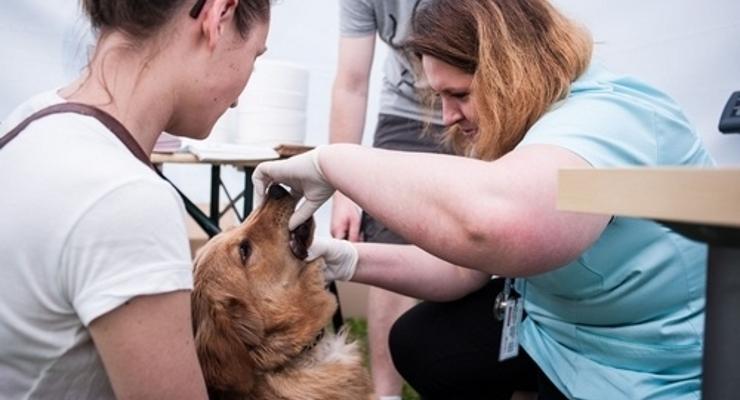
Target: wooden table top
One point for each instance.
(283, 150)
(687, 195)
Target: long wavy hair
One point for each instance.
(523, 55)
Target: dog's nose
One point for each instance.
(277, 192)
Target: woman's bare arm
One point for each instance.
(148, 350)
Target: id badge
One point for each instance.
(510, 332)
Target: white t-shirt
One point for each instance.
(85, 227)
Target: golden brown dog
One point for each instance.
(259, 310)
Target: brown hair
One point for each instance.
(141, 18)
(523, 55)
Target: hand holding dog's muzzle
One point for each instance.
(303, 174)
(340, 257)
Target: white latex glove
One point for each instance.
(340, 257)
(303, 174)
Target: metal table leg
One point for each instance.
(721, 364)
(248, 190)
(721, 358)
(215, 213)
(199, 216)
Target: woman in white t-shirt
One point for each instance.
(96, 274)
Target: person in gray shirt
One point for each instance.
(404, 123)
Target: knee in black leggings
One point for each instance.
(406, 349)
(450, 350)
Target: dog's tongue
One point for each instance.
(299, 240)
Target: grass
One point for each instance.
(358, 329)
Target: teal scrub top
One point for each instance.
(626, 319)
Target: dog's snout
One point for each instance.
(277, 192)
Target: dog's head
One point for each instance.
(257, 302)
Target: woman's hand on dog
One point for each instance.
(304, 176)
(340, 258)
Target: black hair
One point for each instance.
(141, 18)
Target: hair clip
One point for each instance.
(197, 8)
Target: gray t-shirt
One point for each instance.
(391, 20)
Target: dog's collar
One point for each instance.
(216, 394)
(307, 348)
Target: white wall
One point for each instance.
(43, 44)
(688, 48)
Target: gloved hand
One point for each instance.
(303, 174)
(340, 257)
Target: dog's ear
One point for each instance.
(199, 254)
(226, 329)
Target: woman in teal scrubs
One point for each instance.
(598, 307)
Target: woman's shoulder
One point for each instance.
(616, 120)
(599, 85)
(28, 107)
(69, 141)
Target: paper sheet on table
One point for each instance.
(210, 151)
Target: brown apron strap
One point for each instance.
(78, 108)
(125, 137)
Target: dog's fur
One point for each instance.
(258, 309)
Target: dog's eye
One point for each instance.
(245, 250)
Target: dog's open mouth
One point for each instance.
(300, 239)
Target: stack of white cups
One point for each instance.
(272, 109)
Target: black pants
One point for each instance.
(450, 351)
